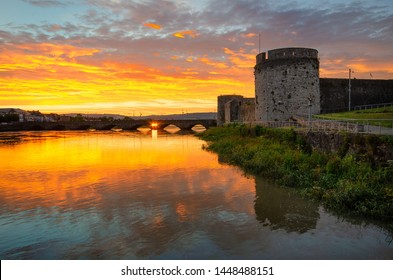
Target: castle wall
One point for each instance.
(235, 108)
(247, 110)
(228, 108)
(334, 93)
(286, 84)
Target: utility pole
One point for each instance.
(309, 112)
(349, 90)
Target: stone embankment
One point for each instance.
(370, 147)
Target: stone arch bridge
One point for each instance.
(108, 125)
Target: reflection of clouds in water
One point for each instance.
(158, 223)
(232, 217)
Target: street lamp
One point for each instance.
(349, 90)
(309, 111)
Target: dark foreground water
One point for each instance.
(129, 195)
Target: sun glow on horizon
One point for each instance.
(63, 78)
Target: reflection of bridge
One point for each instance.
(107, 125)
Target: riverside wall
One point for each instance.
(335, 94)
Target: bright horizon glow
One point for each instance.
(130, 58)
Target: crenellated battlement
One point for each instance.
(286, 53)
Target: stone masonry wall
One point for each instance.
(247, 110)
(228, 108)
(235, 108)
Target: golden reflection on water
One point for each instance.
(81, 167)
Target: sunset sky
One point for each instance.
(160, 57)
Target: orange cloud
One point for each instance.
(37, 61)
(219, 65)
(362, 67)
(240, 59)
(55, 50)
(250, 35)
(152, 25)
(190, 73)
(182, 34)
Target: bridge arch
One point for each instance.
(171, 128)
(198, 127)
(186, 124)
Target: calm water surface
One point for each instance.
(129, 195)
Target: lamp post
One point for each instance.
(309, 112)
(267, 113)
(349, 90)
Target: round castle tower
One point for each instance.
(286, 84)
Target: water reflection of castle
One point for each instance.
(280, 208)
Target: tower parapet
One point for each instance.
(286, 53)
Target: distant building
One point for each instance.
(25, 116)
(17, 114)
(7, 111)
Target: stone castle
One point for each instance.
(287, 85)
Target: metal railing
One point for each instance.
(348, 125)
(276, 124)
(372, 106)
(372, 126)
(332, 126)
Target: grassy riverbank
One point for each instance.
(342, 181)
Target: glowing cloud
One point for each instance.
(152, 25)
(182, 34)
(240, 59)
(250, 35)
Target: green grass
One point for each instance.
(343, 182)
(378, 116)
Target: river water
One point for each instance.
(134, 195)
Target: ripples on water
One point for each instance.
(130, 195)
